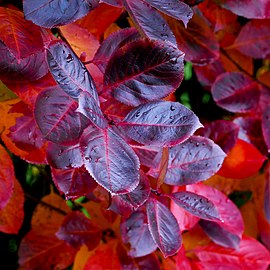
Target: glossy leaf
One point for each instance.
(68, 71)
(266, 126)
(77, 230)
(195, 204)
(160, 123)
(111, 44)
(152, 70)
(258, 31)
(74, 183)
(250, 255)
(243, 160)
(110, 160)
(163, 227)
(192, 161)
(150, 22)
(90, 109)
(7, 177)
(23, 38)
(56, 12)
(235, 92)
(135, 232)
(56, 116)
(173, 8)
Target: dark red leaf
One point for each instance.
(135, 232)
(163, 227)
(115, 41)
(78, 230)
(253, 39)
(68, 71)
(143, 71)
(235, 92)
(267, 194)
(51, 13)
(150, 22)
(222, 132)
(121, 207)
(161, 123)
(74, 183)
(192, 161)
(266, 126)
(173, 8)
(148, 262)
(90, 109)
(110, 160)
(195, 204)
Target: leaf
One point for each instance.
(195, 204)
(192, 161)
(222, 132)
(53, 13)
(173, 8)
(235, 92)
(135, 232)
(68, 71)
(90, 109)
(116, 3)
(7, 177)
(266, 201)
(12, 215)
(160, 123)
(247, 8)
(243, 160)
(23, 38)
(163, 167)
(163, 227)
(6, 93)
(148, 262)
(110, 160)
(111, 44)
(266, 126)
(250, 255)
(252, 42)
(149, 21)
(56, 116)
(77, 230)
(152, 70)
(74, 183)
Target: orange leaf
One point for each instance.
(11, 217)
(81, 258)
(243, 160)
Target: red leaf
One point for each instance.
(250, 255)
(153, 72)
(12, 215)
(110, 160)
(242, 161)
(266, 126)
(235, 92)
(267, 194)
(135, 232)
(7, 177)
(163, 227)
(77, 230)
(160, 123)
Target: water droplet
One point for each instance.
(201, 200)
(88, 159)
(138, 114)
(155, 116)
(69, 58)
(203, 144)
(197, 144)
(173, 60)
(93, 118)
(172, 108)
(189, 15)
(206, 164)
(46, 97)
(171, 117)
(218, 165)
(60, 152)
(164, 35)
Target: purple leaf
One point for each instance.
(150, 22)
(173, 8)
(235, 92)
(135, 232)
(161, 123)
(78, 230)
(163, 227)
(190, 162)
(143, 71)
(196, 204)
(115, 3)
(267, 195)
(74, 183)
(51, 13)
(64, 157)
(120, 206)
(222, 132)
(114, 41)
(90, 109)
(220, 235)
(68, 71)
(56, 116)
(146, 154)
(266, 126)
(110, 160)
